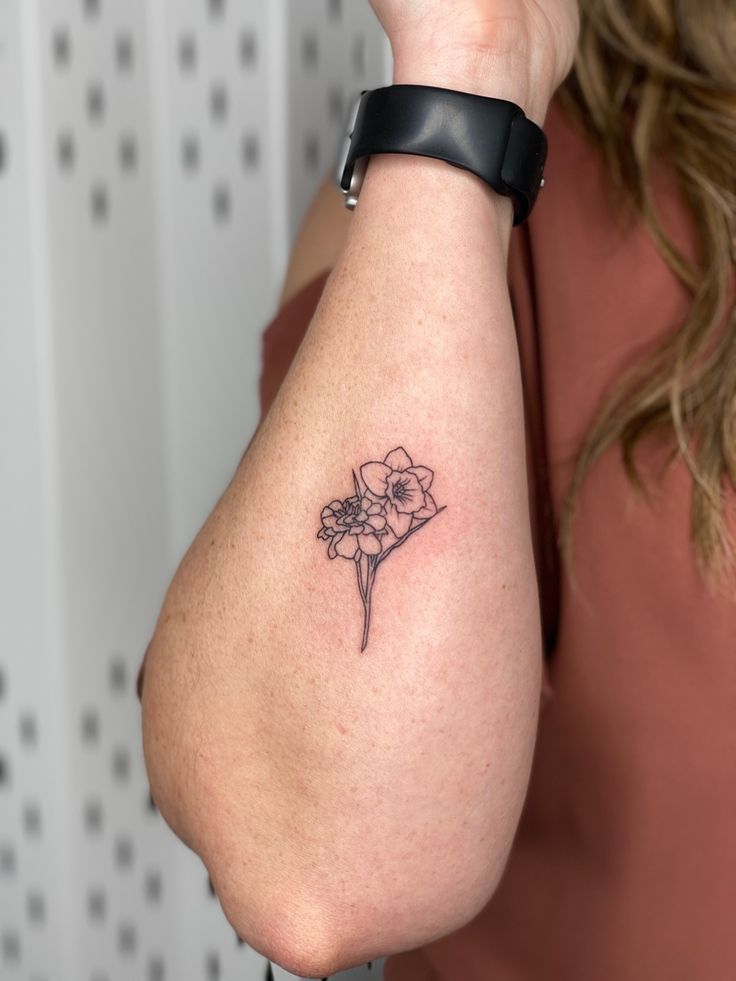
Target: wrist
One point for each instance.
(427, 182)
(479, 72)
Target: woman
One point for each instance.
(352, 806)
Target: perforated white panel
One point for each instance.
(333, 55)
(156, 157)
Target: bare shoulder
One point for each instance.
(320, 239)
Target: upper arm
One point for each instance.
(320, 239)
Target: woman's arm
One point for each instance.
(351, 804)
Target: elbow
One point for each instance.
(298, 951)
(313, 934)
(292, 930)
(302, 939)
(306, 956)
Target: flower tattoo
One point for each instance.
(390, 503)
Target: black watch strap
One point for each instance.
(492, 138)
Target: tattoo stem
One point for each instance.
(372, 562)
(370, 576)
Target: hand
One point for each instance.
(511, 49)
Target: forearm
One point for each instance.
(320, 780)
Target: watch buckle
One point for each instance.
(356, 182)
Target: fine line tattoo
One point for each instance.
(390, 503)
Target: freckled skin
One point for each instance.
(294, 771)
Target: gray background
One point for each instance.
(156, 157)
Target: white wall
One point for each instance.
(156, 157)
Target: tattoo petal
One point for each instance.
(424, 475)
(369, 544)
(404, 491)
(374, 476)
(398, 459)
(347, 546)
(398, 521)
(429, 508)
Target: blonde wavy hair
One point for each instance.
(656, 78)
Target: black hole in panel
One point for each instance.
(7, 860)
(90, 726)
(310, 51)
(36, 907)
(121, 764)
(32, 819)
(123, 853)
(118, 677)
(28, 729)
(127, 938)
(61, 48)
(269, 972)
(93, 816)
(212, 966)
(96, 904)
(124, 52)
(91, 8)
(187, 53)
(10, 946)
(334, 9)
(216, 8)
(153, 886)
(218, 102)
(358, 56)
(99, 203)
(190, 154)
(311, 152)
(95, 102)
(65, 152)
(251, 151)
(336, 103)
(248, 49)
(156, 968)
(128, 153)
(221, 202)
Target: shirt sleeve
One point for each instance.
(283, 335)
(521, 282)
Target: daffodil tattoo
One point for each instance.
(391, 502)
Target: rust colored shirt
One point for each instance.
(624, 864)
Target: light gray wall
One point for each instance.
(156, 157)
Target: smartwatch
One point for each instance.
(490, 137)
